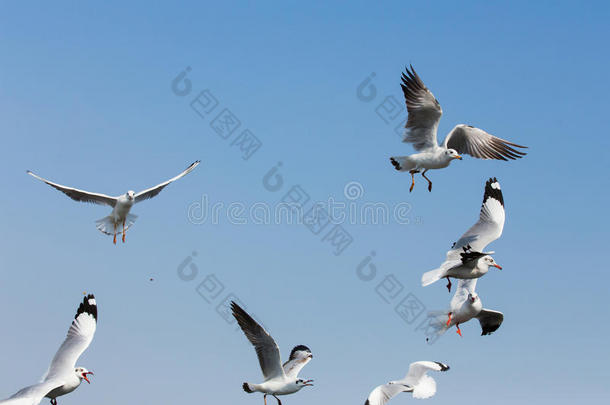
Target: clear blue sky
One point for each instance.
(86, 100)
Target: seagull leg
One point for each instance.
(278, 400)
(448, 284)
(265, 398)
(449, 320)
(114, 240)
(429, 182)
(412, 179)
(459, 332)
(53, 401)
(123, 231)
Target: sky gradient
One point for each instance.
(89, 97)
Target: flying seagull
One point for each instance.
(63, 376)
(466, 305)
(466, 259)
(424, 114)
(121, 205)
(279, 379)
(416, 381)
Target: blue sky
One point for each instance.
(86, 100)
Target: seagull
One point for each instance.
(279, 379)
(466, 259)
(424, 114)
(121, 205)
(416, 381)
(63, 376)
(466, 305)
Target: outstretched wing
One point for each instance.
(382, 394)
(490, 321)
(33, 394)
(489, 226)
(79, 195)
(424, 112)
(266, 349)
(423, 385)
(464, 287)
(479, 144)
(153, 191)
(79, 338)
(299, 356)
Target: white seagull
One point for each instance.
(121, 205)
(416, 381)
(279, 379)
(63, 376)
(466, 305)
(424, 114)
(466, 259)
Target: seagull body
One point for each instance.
(416, 381)
(280, 379)
(120, 219)
(63, 376)
(466, 305)
(424, 114)
(467, 259)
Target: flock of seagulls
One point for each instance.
(466, 261)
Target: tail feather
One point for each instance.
(247, 388)
(106, 225)
(402, 163)
(432, 276)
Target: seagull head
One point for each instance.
(489, 261)
(130, 195)
(473, 297)
(300, 383)
(82, 374)
(452, 154)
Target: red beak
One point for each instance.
(85, 376)
(498, 266)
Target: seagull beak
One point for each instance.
(497, 266)
(308, 383)
(85, 376)
(458, 157)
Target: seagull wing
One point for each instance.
(382, 394)
(490, 321)
(299, 356)
(479, 144)
(78, 339)
(33, 394)
(153, 191)
(79, 195)
(266, 349)
(424, 112)
(489, 226)
(423, 385)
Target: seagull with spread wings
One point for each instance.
(280, 379)
(466, 259)
(424, 114)
(416, 381)
(63, 376)
(465, 305)
(121, 205)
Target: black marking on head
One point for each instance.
(246, 388)
(395, 163)
(443, 367)
(491, 192)
(86, 308)
(298, 348)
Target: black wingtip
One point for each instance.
(246, 388)
(443, 366)
(493, 190)
(88, 306)
(395, 163)
(299, 348)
